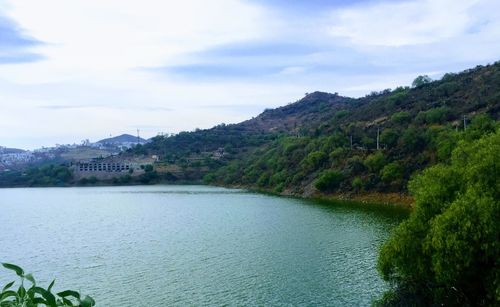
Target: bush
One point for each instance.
(447, 251)
(37, 296)
(401, 117)
(314, 160)
(434, 116)
(392, 172)
(357, 184)
(329, 181)
(375, 162)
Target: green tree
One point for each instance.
(448, 251)
(392, 172)
(421, 80)
(375, 161)
(401, 117)
(389, 137)
(329, 181)
(314, 160)
(357, 184)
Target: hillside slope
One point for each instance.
(326, 142)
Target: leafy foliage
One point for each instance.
(448, 251)
(37, 296)
(45, 175)
(421, 80)
(329, 180)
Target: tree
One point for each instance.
(375, 162)
(389, 137)
(392, 172)
(329, 181)
(421, 80)
(448, 251)
(357, 184)
(401, 117)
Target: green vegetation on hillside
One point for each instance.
(373, 144)
(42, 176)
(448, 252)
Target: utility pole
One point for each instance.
(378, 138)
(138, 137)
(465, 123)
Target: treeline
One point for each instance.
(51, 175)
(38, 176)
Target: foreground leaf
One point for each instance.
(15, 268)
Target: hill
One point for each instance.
(124, 138)
(5, 150)
(325, 143)
(332, 144)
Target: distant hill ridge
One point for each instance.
(124, 138)
(5, 150)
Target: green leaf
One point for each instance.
(51, 285)
(21, 291)
(30, 278)
(49, 297)
(67, 302)
(7, 294)
(15, 268)
(69, 293)
(7, 286)
(87, 302)
(39, 300)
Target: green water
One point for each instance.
(194, 246)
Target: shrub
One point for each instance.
(434, 116)
(401, 118)
(357, 184)
(375, 162)
(392, 172)
(389, 137)
(314, 160)
(329, 181)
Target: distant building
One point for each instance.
(103, 167)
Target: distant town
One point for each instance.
(13, 158)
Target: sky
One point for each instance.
(88, 69)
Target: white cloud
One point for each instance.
(95, 53)
(92, 37)
(403, 23)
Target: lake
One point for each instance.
(194, 245)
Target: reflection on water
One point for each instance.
(194, 245)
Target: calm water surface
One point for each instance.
(194, 245)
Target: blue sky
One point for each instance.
(91, 68)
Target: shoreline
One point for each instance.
(393, 199)
(378, 198)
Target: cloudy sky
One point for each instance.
(71, 70)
